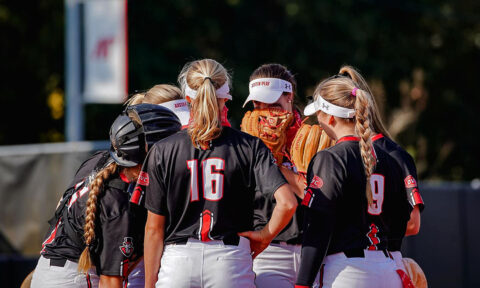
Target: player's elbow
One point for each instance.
(285, 198)
(413, 225)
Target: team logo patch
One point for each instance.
(127, 247)
(316, 183)
(410, 182)
(143, 179)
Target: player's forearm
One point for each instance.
(283, 211)
(153, 250)
(413, 225)
(296, 181)
(153, 247)
(110, 281)
(317, 230)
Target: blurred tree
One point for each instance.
(420, 57)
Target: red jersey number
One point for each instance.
(377, 182)
(212, 176)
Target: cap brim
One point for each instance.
(184, 116)
(309, 110)
(265, 96)
(120, 161)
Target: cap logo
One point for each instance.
(261, 83)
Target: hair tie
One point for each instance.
(205, 78)
(354, 92)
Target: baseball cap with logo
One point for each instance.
(267, 90)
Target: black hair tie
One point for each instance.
(208, 79)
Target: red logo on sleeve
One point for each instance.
(316, 183)
(308, 199)
(410, 182)
(143, 179)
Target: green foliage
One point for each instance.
(420, 55)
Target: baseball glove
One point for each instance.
(307, 142)
(415, 273)
(270, 125)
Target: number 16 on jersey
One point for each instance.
(212, 179)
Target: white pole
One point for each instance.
(74, 122)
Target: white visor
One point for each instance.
(180, 108)
(329, 108)
(267, 90)
(222, 92)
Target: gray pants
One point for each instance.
(47, 275)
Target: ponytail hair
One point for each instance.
(361, 83)
(364, 130)
(158, 94)
(85, 261)
(338, 91)
(204, 76)
(137, 98)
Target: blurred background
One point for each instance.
(419, 57)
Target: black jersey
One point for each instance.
(336, 186)
(115, 244)
(338, 217)
(409, 176)
(207, 194)
(408, 168)
(264, 205)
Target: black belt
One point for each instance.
(58, 262)
(227, 240)
(289, 242)
(359, 253)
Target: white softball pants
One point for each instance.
(277, 266)
(51, 276)
(375, 270)
(206, 264)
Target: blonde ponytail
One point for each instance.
(340, 91)
(361, 83)
(204, 76)
(135, 99)
(206, 116)
(85, 262)
(363, 129)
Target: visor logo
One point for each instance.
(325, 106)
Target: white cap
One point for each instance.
(329, 108)
(267, 90)
(222, 92)
(180, 108)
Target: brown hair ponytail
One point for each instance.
(85, 262)
(204, 76)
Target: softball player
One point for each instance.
(91, 240)
(352, 193)
(273, 85)
(199, 187)
(409, 174)
(169, 97)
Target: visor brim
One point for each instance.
(264, 96)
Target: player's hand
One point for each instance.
(259, 241)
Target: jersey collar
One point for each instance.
(348, 138)
(378, 136)
(124, 178)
